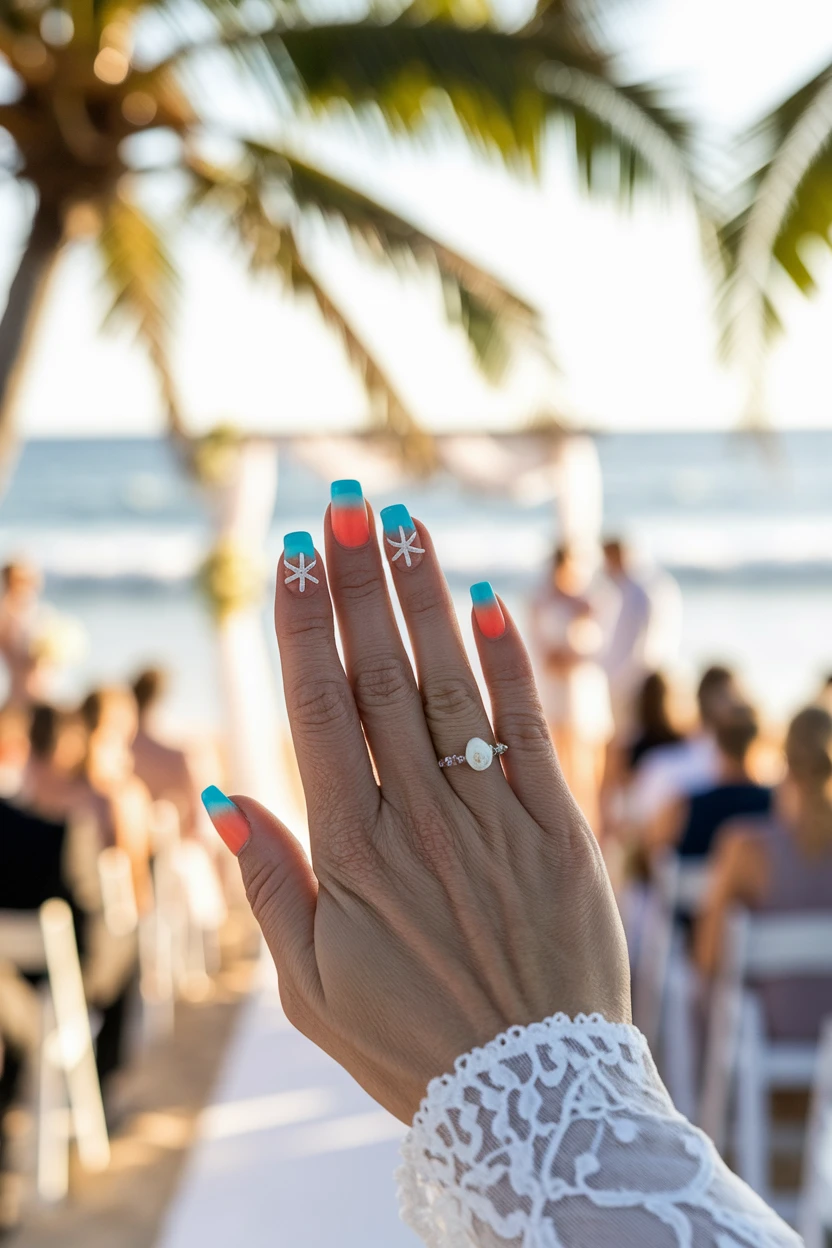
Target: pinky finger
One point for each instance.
(530, 764)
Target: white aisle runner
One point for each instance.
(290, 1154)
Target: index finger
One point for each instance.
(335, 767)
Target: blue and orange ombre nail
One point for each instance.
(349, 514)
(400, 537)
(299, 559)
(487, 611)
(227, 818)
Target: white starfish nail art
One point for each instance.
(404, 546)
(302, 573)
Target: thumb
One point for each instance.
(279, 882)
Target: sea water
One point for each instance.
(744, 524)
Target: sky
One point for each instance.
(627, 305)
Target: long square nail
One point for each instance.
(487, 610)
(400, 537)
(349, 514)
(299, 559)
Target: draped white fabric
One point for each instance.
(562, 1135)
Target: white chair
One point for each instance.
(664, 980)
(743, 1064)
(815, 1209)
(68, 1094)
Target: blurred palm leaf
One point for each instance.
(142, 282)
(786, 207)
(82, 95)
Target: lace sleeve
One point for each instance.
(562, 1135)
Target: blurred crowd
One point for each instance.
(76, 781)
(662, 779)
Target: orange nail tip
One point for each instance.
(227, 818)
(487, 610)
(349, 513)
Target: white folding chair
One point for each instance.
(743, 1064)
(206, 913)
(815, 1209)
(665, 981)
(68, 1095)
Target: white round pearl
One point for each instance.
(478, 754)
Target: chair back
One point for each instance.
(678, 883)
(815, 1209)
(118, 894)
(755, 948)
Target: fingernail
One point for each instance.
(227, 818)
(487, 611)
(349, 514)
(400, 537)
(299, 561)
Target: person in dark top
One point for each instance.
(653, 715)
(691, 825)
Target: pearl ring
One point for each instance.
(478, 754)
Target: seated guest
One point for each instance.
(121, 799)
(670, 772)
(781, 864)
(655, 727)
(690, 825)
(164, 769)
(52, 785)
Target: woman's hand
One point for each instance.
(442, 905)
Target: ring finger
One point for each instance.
(454, 708)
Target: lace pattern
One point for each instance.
(562, 1135)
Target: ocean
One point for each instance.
(743, 524)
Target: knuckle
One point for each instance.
(451, 697)
(355, 584)
(319, 702)
(264, 885)
(382, 682)
(302, 629)
(423, 603)
(527, 727)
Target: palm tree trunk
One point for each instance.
(17, 326)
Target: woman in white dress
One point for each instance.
(454, 942)
(573, 687)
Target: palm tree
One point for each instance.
(86, 81)
(786, 203)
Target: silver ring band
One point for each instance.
(479, 755)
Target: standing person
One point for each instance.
(19, 620)
(164, 769)
(624, 656)
(573, 688)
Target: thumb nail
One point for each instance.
(227, 818)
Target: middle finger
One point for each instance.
(377, 665)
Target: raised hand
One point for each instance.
(443, 904)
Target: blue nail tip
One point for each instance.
(346, 488)
(482, 592)
(299, 543)
(396, 517)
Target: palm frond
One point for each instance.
(273, 246)
(483, 305)
(502, 87)
(143, 283)
(788, 205)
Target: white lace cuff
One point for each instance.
(562, 1135)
